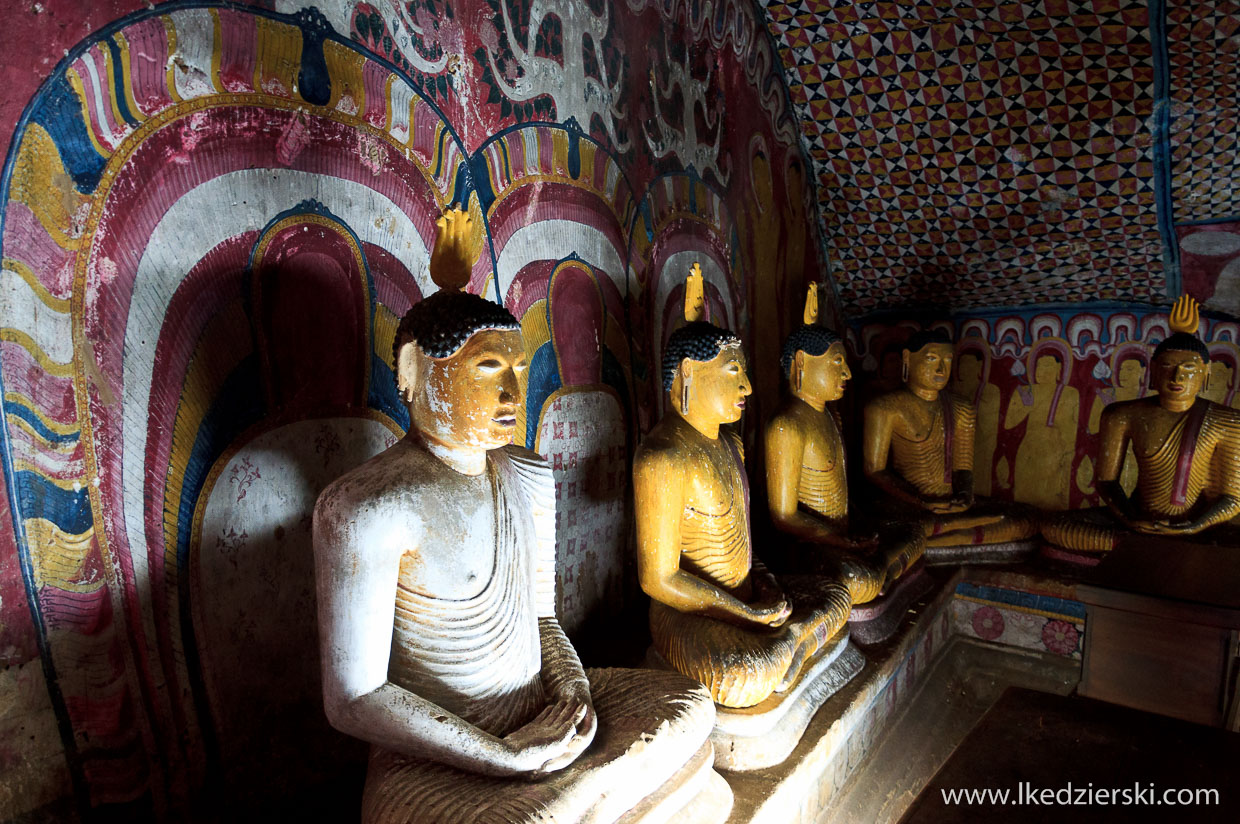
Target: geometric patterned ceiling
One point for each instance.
(988, 154)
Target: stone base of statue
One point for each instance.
(875, 621)
(650, 758)
(1000, 553)
(752, 738)
(695, 795)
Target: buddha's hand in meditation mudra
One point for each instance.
(555, 737)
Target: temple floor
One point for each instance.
(965, 682)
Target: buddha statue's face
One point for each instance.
(717, 387)
(1046, 370)
(930, 367)
(823, 377)
(468, 400)
(1179, 377)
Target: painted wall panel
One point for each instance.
(214, 215)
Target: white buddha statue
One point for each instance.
(435, 567)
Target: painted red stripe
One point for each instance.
(148, 65)
(395, 287)
(215, 281)
(26, 240)
(228, 140)
(529, 286)
(239, 33)
(75, 611)
(540, 201)
(374, 82)
(22, 373)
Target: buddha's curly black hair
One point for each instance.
(812, 340)
(920, 340)
(1183, 342)
(441, 323)
(697, 341)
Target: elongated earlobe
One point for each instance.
(407, 365)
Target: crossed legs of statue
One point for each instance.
(741, 666)
(866, 574)
(986, 522)
(648, 724)
(1085, 530)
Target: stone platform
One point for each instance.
(975, 631)
(877, 620)
(762, 735)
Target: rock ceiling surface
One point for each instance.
(989, 153)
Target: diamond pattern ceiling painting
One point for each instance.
(986, 153)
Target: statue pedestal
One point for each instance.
(650, 724)
(762, 735)
(877, 620)
(696, 794)
(1004, 553)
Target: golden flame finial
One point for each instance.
(695, 295)
(1184, 316)
(458, 243)
(811, 305)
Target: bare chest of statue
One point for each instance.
(918, 420)
(465, 631)
(715, 527)
(456, 554)
(823, 448)
(823, 486)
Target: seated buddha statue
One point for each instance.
(717, 614)
(918, 450)
(435, 571)
(806, 477)
(1187, 452)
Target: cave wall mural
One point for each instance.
(214, 215)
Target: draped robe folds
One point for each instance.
(741, 666)
(1195, 464)
(823, 491)
(481, 658)
(928, 465)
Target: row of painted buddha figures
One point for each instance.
(435, 560)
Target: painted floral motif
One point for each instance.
(987, 623)
(230, 543)
(1060, 637)
(326, 443)
(244, 475)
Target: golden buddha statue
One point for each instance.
(435, 570)
(806, 478)
(1187, 451)
(717, 614)
(918, 449)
